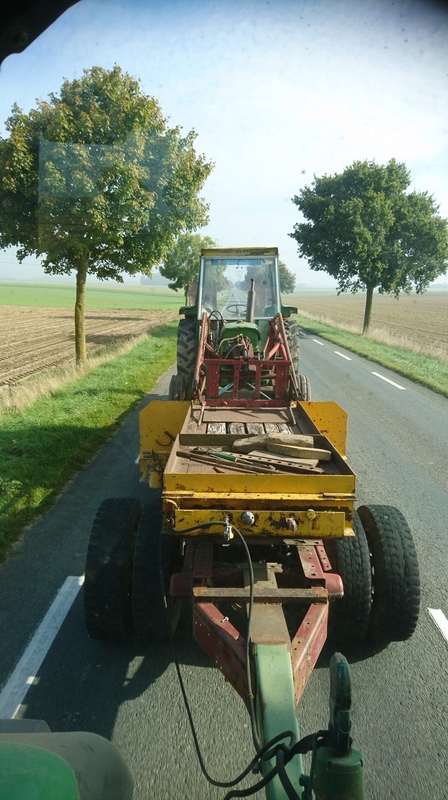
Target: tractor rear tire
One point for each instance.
(395, 574)
(154, 552)
(186, 352)
(108, 572)
(292, 335)
(349, 617)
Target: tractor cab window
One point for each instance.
(227, 282)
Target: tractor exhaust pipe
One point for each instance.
(250, 313)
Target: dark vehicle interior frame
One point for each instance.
(22, 21)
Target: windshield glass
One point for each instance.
(227, 281)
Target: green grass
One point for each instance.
(430, 372)
(43, 446)
(59, 295)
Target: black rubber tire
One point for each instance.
(349, 617)
(304, 388)
(177, 388)
(186, 348)
(148, 604)
(395, 574)
(292, 335)
(108, 572)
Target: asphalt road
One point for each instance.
(397, 446)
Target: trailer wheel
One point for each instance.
(148, 603)
(108, 572)
(349, 617)
(186, 352)
(395, 574)
(292, 335)
(304, 388)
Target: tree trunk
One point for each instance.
(80, 332)
(368, 309)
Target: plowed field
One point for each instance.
(417, 321)
(33, 340)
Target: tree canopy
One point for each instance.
(94, 180)
(369, 232)
(286, 278)
(181, 265)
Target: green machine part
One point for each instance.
(276, 710)
(338, 773)
(338, 777)
(231, 330)
(32, 773)
(36, 764)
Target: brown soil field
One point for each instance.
(419, 322)
(33, 340)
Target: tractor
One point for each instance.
(235, 302)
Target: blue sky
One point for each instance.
(277, 91)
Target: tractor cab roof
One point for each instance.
(239, 252)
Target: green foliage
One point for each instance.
(366, 230)
(43, 446)
(181, 265)
(287, 279)
(94, 180)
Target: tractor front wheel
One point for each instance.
(292, 335)
(108, 572)
(304, 388)
(177, 388)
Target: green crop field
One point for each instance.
(62, 295)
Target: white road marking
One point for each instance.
(317, 342)
(137, 459)
(397, 385)
(342, 355)
(440, 620)
(24, 674)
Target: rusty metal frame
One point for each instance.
(208, 586)
(275, 367)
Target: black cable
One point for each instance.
(199, 525)
(282, 774)
(282, 753)
(250, 695)
(212, 781)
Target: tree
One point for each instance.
(287, 279)
(366, 230)
(94, 181)
(181, 265)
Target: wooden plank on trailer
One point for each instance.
(297, 451)
(276, 458)
(202, 438)
(278, 415)
(251, 443)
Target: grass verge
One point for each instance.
(44, 445)
(430, 372)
